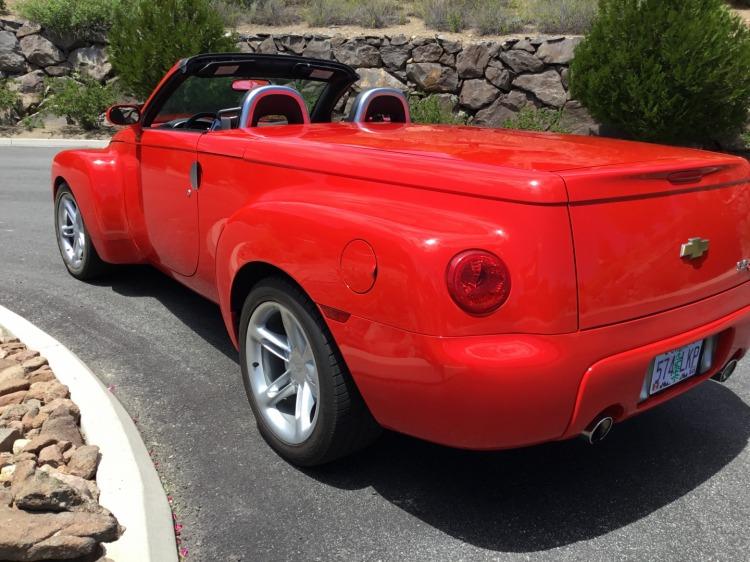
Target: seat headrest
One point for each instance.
(386, 105)
(273, 100)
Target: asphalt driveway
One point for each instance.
(672, 484)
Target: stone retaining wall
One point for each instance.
(28, 55)
(486, 82)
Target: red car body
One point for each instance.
(366, 218)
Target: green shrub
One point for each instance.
(666, 70)
(8, 97)
(746, 139)
(495, 17)
(533, 119)
(77, 18)
(429, 111)
(81, 102)
(3, 7)
(562, 16)
(445, 15)
(149, 37)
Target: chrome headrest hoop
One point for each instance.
(365, 98)
(254, 96)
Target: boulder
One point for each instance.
(547, 87)
(92, 62)
(394, 57)
(31, 83)
(293, 43)
(28, 28)
(399, 40)
(84, 461)
(432, 77)
(14, 398)
(51, 455)
(33, 363)
(43, 536)
(429, 52)
(377, 78)
(504, 108)
(38, 443)
(558, 52)
(40, 51)
(44, 374)
(267, 46)
(11, 56)
(472, 61)
(498, 75)
(318, 49)
(521, 61)
(449, 46)
(13, 412)
(476, 94)
(62, 428)
(357, 53)
(524, 45)
(40, 491)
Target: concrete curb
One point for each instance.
(54, 143)
(130, 486)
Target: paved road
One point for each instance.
(670, 485)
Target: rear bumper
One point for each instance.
(495, 392)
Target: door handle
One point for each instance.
(195, 175)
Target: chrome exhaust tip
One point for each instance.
(726, 372)
(598, 432)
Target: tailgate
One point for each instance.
(654, 237)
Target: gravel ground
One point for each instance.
(669, 485)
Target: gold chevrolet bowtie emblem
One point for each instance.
(694, 248)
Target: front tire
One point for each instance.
(73, 240)
(305, 402)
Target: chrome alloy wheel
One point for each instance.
(70, 232)
(282, 372)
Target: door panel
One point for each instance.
(170, 205)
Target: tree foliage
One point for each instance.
(149, 36)
(666, 70)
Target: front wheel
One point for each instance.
(305, 402)
(77, 250)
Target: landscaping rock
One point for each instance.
(504, 108)
(318, 49)
(472, 61)
(577, 120)
(84, 461)
(68, 407)
(92, 62)
(521, 61)
(19, 445)
(429, 52)
(40, 51)
(293, 43)
(40, 491)
(38, 443)
(46, 536)
(30, 83)
(357, 53)
(13, 412)
(13, 371)
(43, 374)
(432, 77)
(14, 398)
(11, 56)
(476, 94)
(377, 78)
(399, 40)
(62, 428)
(8, 436)
(28, 28)
(13, 385)
(51, 455)
(33, 363)
(524, 45)
(394, 57)
(498, 75)
(558, 52)
(547, 87)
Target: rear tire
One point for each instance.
(305, 402)
(76, 247)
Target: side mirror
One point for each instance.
(124, 114)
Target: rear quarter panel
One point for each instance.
(301, 220)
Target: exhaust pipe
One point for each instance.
(598, 431)
(726, 372)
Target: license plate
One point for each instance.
(675, 366)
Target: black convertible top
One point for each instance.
(338, 77)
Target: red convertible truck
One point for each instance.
(478, 288)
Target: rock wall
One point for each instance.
(28, 55)
(487, 82)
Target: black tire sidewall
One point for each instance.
(316, 446)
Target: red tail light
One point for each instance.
(478, 281)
